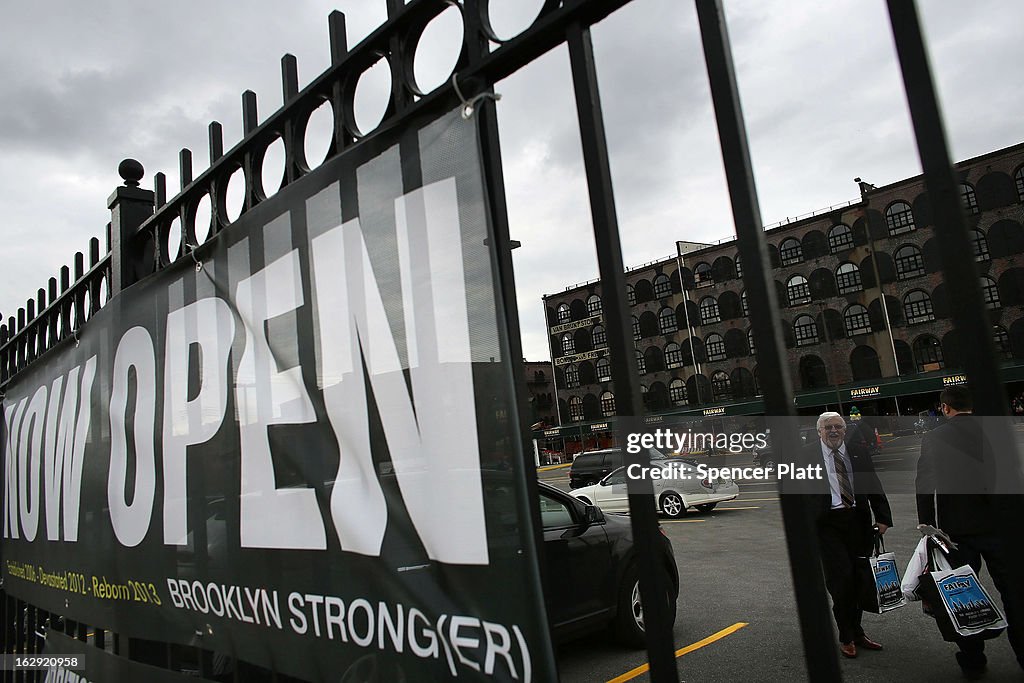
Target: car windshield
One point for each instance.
(616, 477)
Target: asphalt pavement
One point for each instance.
(737, 618)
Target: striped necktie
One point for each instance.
(845, 488)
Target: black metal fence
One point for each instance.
(140, 242)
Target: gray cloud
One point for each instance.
(86, 85)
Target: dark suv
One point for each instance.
(593, 466)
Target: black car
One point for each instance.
(593, 466)
(591, 569)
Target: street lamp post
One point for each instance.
(864, 187)
(686, 316)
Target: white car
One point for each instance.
(673, 495)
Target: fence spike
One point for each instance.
(216, 142)
(289, 77)
(94, 251)
(185, 166)
(30, 310)
(65, 278)
(79, 265)
(339, 41)
(249, 117)
(160, 189)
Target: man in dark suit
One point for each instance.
(956, 478)
(844, 512)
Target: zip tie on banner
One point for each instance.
(469, 106)
(192, 252)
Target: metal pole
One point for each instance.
(885, 306)
(689, 328)
(554, 372)
(643, 518)
(801, 532)
(970, 317)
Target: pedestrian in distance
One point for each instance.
(956, 477)
(843, 508)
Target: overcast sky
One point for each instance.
(84, 85)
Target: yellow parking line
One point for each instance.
(554, 467)
(630, 675)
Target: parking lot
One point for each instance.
(737, 618)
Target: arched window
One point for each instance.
(840, 238)
(575, 409)
(630, 295)
(1018, 178)
(1002, 341)
(909, 262)
(662, 287)
(791, 252)
(677, 392)
(604, 369)
(805, 330)
(709, 311)
(899, 218)
(572, 376)
(848, 278)
(594, 304)
(667, 320)
(750, 341)
(636, 327)
(714, 346)
(607, 404)
(721, 387)
(673, 355)
(568, 347)
(968, 198)
(600, 337)
(856, 320)
(864, 364)
(641, 364)
(739, 266)
(798, 291)
(989, 292)
(917, 307)
(743, 303)
(980, 245)
(702, 274)
(928, 353)
(563, 313)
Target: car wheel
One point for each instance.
(629, 620)
(672, 505)
(706, 507)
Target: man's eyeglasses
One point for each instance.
(834, 428)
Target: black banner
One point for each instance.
(301, 448)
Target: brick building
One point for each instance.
(540, 384)
(865, 311)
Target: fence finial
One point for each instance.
(131, 171)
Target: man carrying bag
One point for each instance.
(955, 484)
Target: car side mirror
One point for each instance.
(593, 515)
